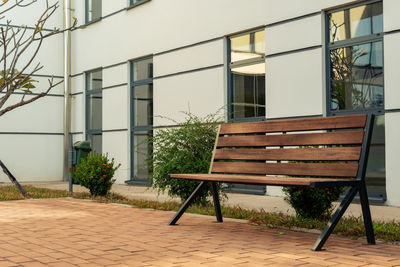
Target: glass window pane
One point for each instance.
(259, 42)
(134, 2)
(356, 22)
(357, 77)
(95, 80)
(142, 69)
(94, 10)
(375, 176)
(248, 46)
(96, 142)
(141, 151)
(94, 108)
(248, 96)
(143, 105)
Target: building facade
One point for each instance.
(137, 63)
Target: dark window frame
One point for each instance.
(88, 92)
(87, 21)
(140, 128)
(241, 63)
(133, 5)
(346, 43)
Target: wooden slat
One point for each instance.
(261, 180)
(306, 139)
(321, 123)
(334, 153)
(307, 169)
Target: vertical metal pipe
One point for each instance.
(67, 90)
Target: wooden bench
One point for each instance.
(293, 153)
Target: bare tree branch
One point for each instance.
(23, 42)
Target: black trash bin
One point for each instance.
(82, 150)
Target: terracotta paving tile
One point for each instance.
(68, 232)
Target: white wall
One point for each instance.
(392, 133)
(162, 26)
(32, 157)
(295, 78)
(200, 92)
(115, 144)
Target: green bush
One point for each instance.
(313, 203)
(96, 173)
(183, 149)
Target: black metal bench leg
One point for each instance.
(217, 205)
(369, 230)
(187, 203)
(335, 218)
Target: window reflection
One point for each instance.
(247, 68)
(94, 111)
(143, 103)
(95, 80)
(142, 151)
(94, 10)
(142, 69)
(248, 46)
(356, 22)
(357, 77)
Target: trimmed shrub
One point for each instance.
(184, 149)
(312, 203)
(96, 173)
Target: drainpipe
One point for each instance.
(67, 91)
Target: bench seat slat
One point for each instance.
(321, 123)
(306, 169)
(320, 154)
(263, 180)
(333, 138)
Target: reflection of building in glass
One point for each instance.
(247, 71)
(356, 76)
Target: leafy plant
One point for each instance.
(315, 203)
(312, 202)
(183, 149)
(96, 173)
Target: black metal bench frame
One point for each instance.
(356, 186)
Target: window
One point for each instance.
(94, 84)
(355, 52)
(141, 117)
(247, 75)
(93, 10)
(356, 58)
(136, 2)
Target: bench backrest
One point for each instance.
(323, 147)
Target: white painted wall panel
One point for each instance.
(49, 55)
(77, 113)
(391, 68)
(294, 84)
(115, 75)
(392, 133)
(293, 35)
(391, 19)
(43, 115)
(19, 16)
(200, 92)
(194, 57)
(163, 26)
(115, 144)
(115, 108)
(111, 6)
(32, 157)
(77, 84)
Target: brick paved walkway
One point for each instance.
(67, 232)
